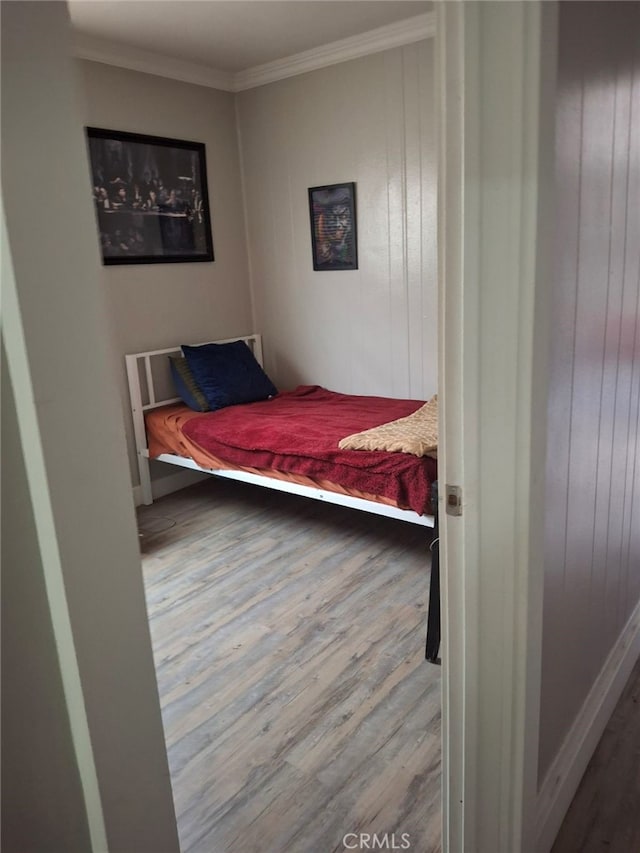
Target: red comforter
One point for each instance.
(298, 432)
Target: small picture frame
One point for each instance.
(332, 209)
(150, 196)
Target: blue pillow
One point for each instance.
(186, 385)
(228, 374)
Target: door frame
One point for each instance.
(495, 76)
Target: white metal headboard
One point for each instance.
(145, 395)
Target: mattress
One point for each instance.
(294, 436)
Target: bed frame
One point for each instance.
(150, 386)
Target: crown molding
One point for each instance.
(383, 38)
(148, 62)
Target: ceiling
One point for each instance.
(234, 35)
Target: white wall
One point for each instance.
(592, 534)
(74, 449)
(371, 120)
(152, 306)
(42, 801)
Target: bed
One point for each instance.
(168, 431)
(397, 486)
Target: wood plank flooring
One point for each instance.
(605, 812)
(289, 644)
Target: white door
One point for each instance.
(496, 65)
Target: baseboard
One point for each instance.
(562, 780)
(172, 483)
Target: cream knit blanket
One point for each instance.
(416, 434)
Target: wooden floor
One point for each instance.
(605, 813)
(289, 644)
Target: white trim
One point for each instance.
(149, 62)
(120, 55)
(450, 108)
(563, 777)
(138, 428)
(47, 535)
(383, 38)
(493, 158)
(167, 485)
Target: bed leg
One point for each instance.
(145, 480)
(433, 617)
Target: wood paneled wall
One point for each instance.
(372, 330)
(592, 535)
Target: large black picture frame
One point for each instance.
(151, 198)
(334, 236)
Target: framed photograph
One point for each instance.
(150, 195)
(333, 227)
